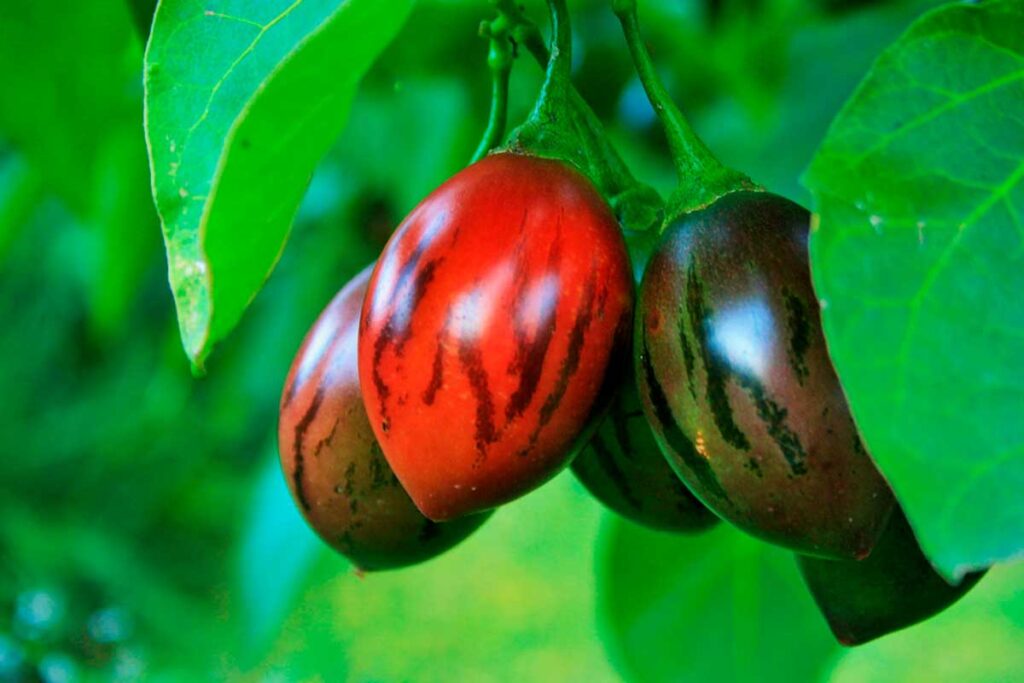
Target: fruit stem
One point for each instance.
(575, 134)
(499, 62)
(703, 179)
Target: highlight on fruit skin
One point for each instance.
(623, 467)
(736, 380)
(487, 331)
(333, 464)
(895, 587)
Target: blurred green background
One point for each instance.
(145, 529)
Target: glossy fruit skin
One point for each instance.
(334, 467)
(894, 588)
(487, 330)
(736, 381)
(623, 468)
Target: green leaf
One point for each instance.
(20, 193)
(70, 74)
(718, 606)
(73, 112)
(123, 236)
(240, 107)
(918, 258)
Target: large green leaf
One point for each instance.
(242, 101)
(918, 258)
(720, 606)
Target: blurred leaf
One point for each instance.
(124, 222)
(978, 640)
(278, 550)
(240, 108)
(716, 606)
(81, 135)
(20, 193)
(411, 148)
(826, 58)
(919, 264)
(69, 72)
(142, 14)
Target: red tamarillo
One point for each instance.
(487, 331)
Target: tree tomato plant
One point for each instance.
(499, 321)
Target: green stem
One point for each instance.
(553, 99)
(702, 177)
(637, 205)
(499, 62)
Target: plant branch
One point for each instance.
(702, 177)
(499, 62)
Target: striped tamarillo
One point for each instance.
(623, 468)
(735, 379)
(894, 588)
(332, 462)
(487, 331)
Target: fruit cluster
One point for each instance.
(500, 337)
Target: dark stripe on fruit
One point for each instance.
(602, 301)
(350, 479)
(799, 334)
(381, 475)
(619, 424)
(436, 374)
(717, 370)
(300, 434)
(571, 363)
(324, 442)
(606, 459)
(387, 333)
(530, 355)
(380, 344)
(473, 364)
(684, 344)
(289, 394)
(424, 243)
(673, 435)
(408, 304)
(774, 417)
(755, 467)
(437, 370)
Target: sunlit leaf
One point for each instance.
(241, 103)
(919, 263)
